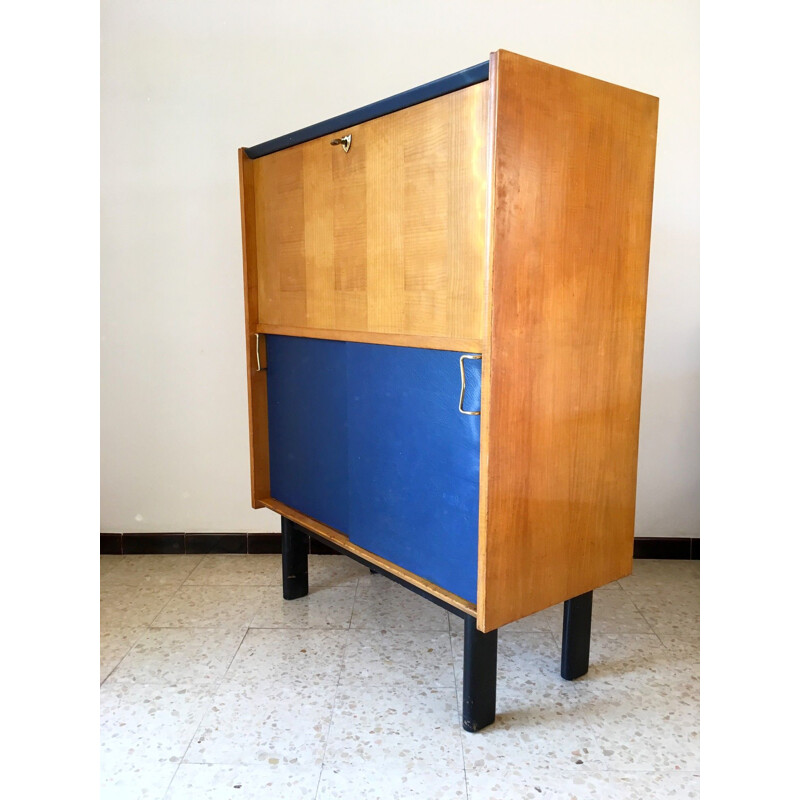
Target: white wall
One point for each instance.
(187, 82)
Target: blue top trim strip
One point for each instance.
(411, 97)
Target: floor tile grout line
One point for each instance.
(459, 711)
(333, 711)
(592, 734)
(142, 632)
(211, 694)
(647, 621)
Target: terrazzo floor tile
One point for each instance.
(373, 710)
(642, 735)
(395, 729)
(263, 724)
(381, 603)
(640, 670)
(114, 646)
(334, 570)
(175, 655)
(652, 574)
(131, 606)
(540, 725)
(684, 648)
(394, 658)
(643, 711)
(520, 784)
(243, 782)
(152, 570)
(521, 657)
(108, 564)
(669, 614)
(633, 655)
(289, 657)
(548, 620)
(155, 722)
(613, 611)
(135, 778)
(360, 783)
(237, 570)
(322, 607)
(210, 607)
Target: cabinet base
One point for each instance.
(576, 635)
(480, 677)
(294, 551)
(480, 649)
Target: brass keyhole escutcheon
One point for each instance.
(344, 142)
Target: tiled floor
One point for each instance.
(214, 687)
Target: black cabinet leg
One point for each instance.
(577, 632)
(480, 676)
(294, 549)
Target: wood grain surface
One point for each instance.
(387, 238)
(256, 381)
(573, 164)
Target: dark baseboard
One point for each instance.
(116, 544)
(110, 544)
(666, 547)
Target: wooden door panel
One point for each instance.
(387, 238)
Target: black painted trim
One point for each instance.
(411, 97)
(375, 568)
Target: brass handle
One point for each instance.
(259, 368)
(464, 386)
(344, 142)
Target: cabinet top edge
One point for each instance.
(411, 97)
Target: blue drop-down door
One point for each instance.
(370, 440)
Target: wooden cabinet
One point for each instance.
(502, 212)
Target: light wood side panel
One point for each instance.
(573, 182)
(340, 540)
(387, 238)
(256, 382)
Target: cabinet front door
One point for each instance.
(388, 237)
(377, 447)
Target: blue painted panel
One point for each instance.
(368, 439)
(414, 461)
(307, 414)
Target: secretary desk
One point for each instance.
(444, 307)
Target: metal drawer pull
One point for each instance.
(344, 142)
(464, 386)
(259, 368)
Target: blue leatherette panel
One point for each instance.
(307, 413)
(369, 440)
(414, 462)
